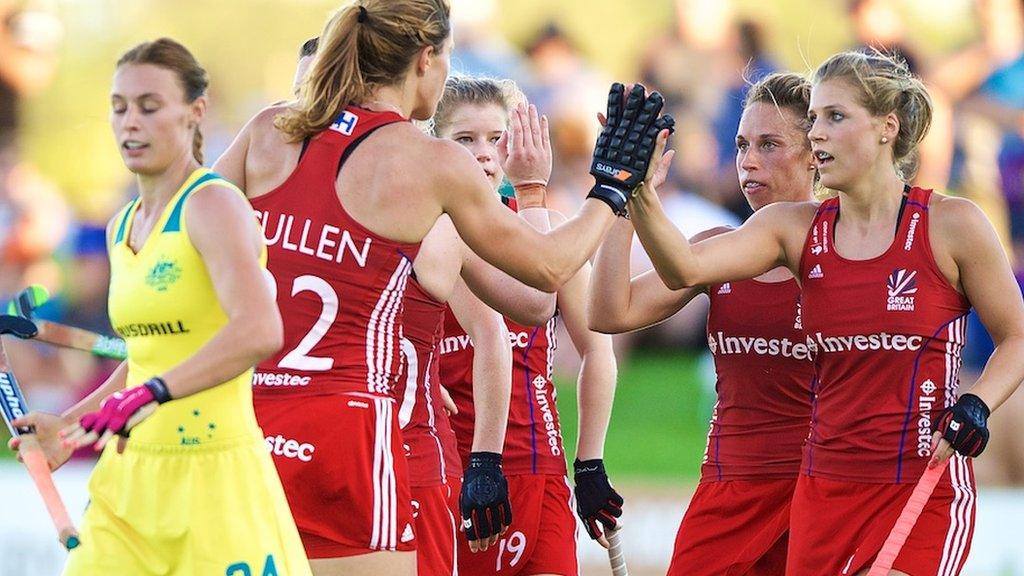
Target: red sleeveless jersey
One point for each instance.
(339, 286)
(533, 439)
(430, 446)
(765, 369)
(888, 333)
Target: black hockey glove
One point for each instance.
(965, 425)
(596, 500)
(484, 503)
(626, 144)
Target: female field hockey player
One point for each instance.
(887, 273)
(194, 491)
(435, 469)
(347, 188)
(738, 519)
(541, 538)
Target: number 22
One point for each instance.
(298, 358)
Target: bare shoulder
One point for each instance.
(214, 202)
(451, 161)
(953, 214)
(797, 212)
(261, 125)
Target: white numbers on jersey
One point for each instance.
(412, 369)
(298, 358)
(515, 545)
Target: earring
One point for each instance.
(884, 139)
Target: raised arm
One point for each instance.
(546, 261)
(523, 304)
(500, 237)
(772, 237)
(620, 304)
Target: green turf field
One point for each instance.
(659, 422)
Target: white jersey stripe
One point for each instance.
(392, 482)
(552, 344)
(378, 347)
(960, 513)
(375, 479)
(388, 332)
(431, 422)
(455, 532)
(412, 367)
(967, 487)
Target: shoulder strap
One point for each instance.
(122, 226)
(328, 150)
(173, 223)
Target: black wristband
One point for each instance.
(975, 408)
(587, 467)
(159, 389)
(484, 460)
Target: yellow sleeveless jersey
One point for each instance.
(162, 302)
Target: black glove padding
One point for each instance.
(484, 503)
(596, 500)
(626, 144)
(965, 425)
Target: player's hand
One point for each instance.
(626, 144)
(486, 510)
(598, 504)
(449, 404)
(657, 173)
(47, 432)
(963, 428)
(524, 150)
(118, 414)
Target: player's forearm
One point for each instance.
(1003, 372)
(570, 245)
(668, 249)
(91, 403)
(523, 304)
(595, 396)
(609, 293)
(238, 346)
(492, 390)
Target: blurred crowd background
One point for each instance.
(61, 177)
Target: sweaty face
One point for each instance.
(152, 123)
(844, 135)
(773, 158)
(478, 127)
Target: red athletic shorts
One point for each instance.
(342, 464)
(436, 528)
(542, 538)
(734, 527)
(839, 527)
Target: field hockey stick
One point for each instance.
(616, 557)
(905, 523)
(13, 406)
(29, 299)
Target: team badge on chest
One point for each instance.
(164, 273)
(901, 288)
